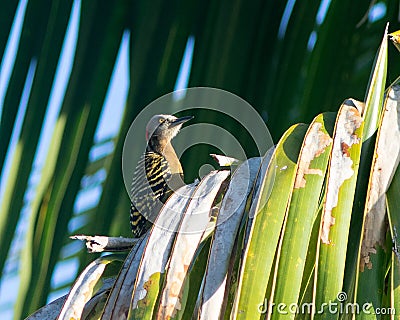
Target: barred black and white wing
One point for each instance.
(149, 191)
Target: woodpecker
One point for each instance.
(158, 172)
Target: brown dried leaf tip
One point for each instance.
(341, 164)
(314, 145)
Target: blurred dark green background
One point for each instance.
(289, 59)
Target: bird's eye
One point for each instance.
(161, 120)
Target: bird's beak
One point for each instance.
(180, 121)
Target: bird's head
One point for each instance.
(164, 127)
